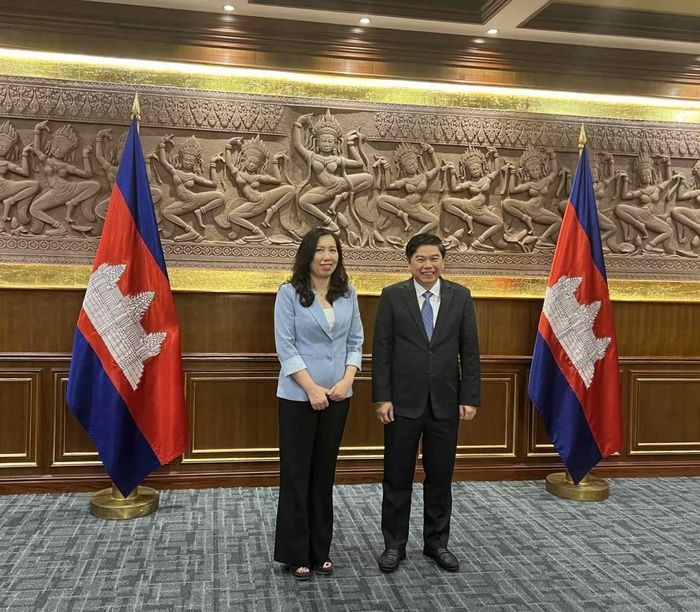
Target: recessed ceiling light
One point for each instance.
(357, 30)
(492, 32)
(479, 41)
(365, 20)
(229, 7)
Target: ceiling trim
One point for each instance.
(580, 19)
(72, 26)
(455, 11)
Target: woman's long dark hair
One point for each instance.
(301, 273)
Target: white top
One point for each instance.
(434, 299)
(330, 316)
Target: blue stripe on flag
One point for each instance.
(125, 453)
(133, 183)
(562, 413)
(582, 199)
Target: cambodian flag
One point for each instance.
(126, 383)
(574, 381)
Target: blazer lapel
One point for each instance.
(409, 294)
(317, 312)
(341, 311)
(445, 299)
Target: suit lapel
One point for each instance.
(409, 294)
(445, 299)
(317, 313)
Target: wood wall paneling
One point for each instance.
(663, 412)
(364, 435)
(71, 446)
(233, 416)
(97, 28)
(231, 376)
(19, 416)
(492, 433)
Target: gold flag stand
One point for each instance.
(590, 488)
(112, 505)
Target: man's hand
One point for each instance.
(318, 397)
(466, 412)
(385, 412)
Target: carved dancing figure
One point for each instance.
(412, 179)
(185, 174)
(327, 180)
(110, 167)
(247, 165)
(535, 181)
(109, 162)
(57, 168)
(642, 216)
(13, 192)
(478, 183)
(602, 180)
(686, 218)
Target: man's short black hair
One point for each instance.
(419, 240)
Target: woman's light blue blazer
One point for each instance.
(305, 341)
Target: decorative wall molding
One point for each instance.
(237, 180)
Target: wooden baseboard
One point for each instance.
(369, 474)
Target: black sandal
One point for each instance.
(295, 571)
(320, 569)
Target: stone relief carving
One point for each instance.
(259, 174)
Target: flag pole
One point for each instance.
(561, 484)
(109, 503)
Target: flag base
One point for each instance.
(112, 505)
(590, 488)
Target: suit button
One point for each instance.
(430, 352)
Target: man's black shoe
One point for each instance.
(443, 557)
(389, 560)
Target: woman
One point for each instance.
(318, 335)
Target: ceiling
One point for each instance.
(672, 26)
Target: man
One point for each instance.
(425, 377)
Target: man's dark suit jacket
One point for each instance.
(406, 367)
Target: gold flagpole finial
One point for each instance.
(136, 108)
(582, 137)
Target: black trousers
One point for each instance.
(309, 443)
(401, 439)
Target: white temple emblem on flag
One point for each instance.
(117, 319)
(572, 324)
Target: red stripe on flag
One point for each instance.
(156, 405)
(601, 400)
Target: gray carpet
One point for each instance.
(520, 548)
